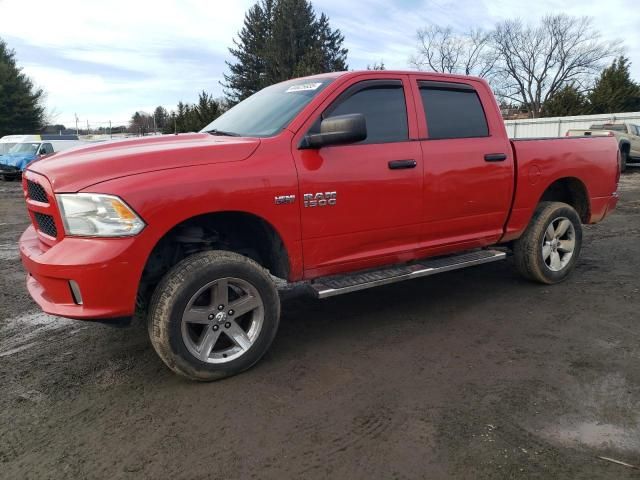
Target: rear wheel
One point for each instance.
(214, 314)
(549, 248)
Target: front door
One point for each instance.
(361, 203)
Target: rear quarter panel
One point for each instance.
(541, 162)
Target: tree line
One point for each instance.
(551, 68)
(185, 118)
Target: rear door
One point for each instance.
(468, 164)
(361, 203)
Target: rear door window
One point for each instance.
(452, 111)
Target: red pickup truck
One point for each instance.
(339, 182)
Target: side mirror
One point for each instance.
(339, 130)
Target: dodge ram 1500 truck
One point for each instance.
(337, 182)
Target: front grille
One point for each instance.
(36, 192)
(46, 224)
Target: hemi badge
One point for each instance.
(285, 199)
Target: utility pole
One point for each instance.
(76, 115)
(110, 135)
(87, 127)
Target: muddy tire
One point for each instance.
(213, 315)
(550, 246)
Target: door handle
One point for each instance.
(495, 157)
(398, 164)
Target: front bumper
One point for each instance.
(106, 271)
(9, 170)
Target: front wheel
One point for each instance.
(548, 250)
(213, 315)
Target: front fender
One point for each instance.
(167, 198)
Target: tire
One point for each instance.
(624, 159)
(185, 317)
(548, 256)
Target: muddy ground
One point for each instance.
(471, 374)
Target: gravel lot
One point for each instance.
(470, 374)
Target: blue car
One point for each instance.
(13, 163)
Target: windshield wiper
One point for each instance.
(223, 133)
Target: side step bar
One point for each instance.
(339, 284)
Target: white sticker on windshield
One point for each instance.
(304, 87)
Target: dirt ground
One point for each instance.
(470, 374)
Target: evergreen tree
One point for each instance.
(248, 74)
(614, 91)
(161, 117)
(334, 55)
(282, 39)
(21, 109)
(206, 110)
(293, 46)
(193, 118)
(568, 101)
(181, 113)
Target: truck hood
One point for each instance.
(73, 170)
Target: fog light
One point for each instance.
(75, 292)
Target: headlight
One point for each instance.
(97, 215)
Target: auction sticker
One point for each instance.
(304, 87)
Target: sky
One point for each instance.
(105, 60)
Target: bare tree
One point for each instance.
(537, 62)
(440, 49)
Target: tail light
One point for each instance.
(611, 134)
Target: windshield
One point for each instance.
(270, 110)
(5, 147)
(25, 148)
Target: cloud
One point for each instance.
(104, 61)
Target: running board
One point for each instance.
(339, 284)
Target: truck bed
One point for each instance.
(542, 161)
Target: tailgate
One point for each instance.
(589, 133)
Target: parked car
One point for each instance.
(334, 183)
(8, 141)
(627, 134)
(28, 148)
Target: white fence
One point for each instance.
(558, 126)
